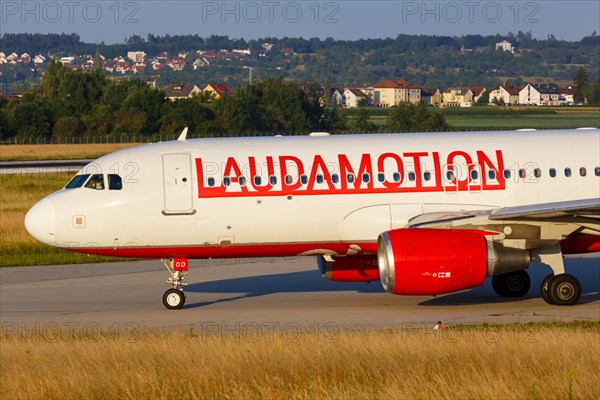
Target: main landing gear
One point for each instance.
(174, 298)
(561, 290)
(557, 288)
(512, 284)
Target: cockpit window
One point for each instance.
(77, 181)
(114, 182)
(96, 182)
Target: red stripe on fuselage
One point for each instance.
(231, 251)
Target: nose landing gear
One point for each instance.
(174, 298)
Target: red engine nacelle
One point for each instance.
(361, 268)
(436, 261)
(580, 243)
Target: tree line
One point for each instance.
(73, 103)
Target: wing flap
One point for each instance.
(586, 208)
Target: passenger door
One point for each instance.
(177, 180)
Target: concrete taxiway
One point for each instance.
(223, 294)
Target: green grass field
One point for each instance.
(509, 118)
(522, 121)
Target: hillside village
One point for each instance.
(383, 94)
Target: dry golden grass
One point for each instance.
(59, 151)
(17, 194)
(552, 361)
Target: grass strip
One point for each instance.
(534, 361)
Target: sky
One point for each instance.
(114, 21)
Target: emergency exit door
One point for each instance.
(177, 178)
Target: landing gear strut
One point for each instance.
(178, 267)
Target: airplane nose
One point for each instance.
(40, 221)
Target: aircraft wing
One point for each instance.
(586, 208)
(529, 226)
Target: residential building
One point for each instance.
(137, 57)
(539, 95)
(217, 90)
(66, 60)
(139, 68)
(504, 46)
(355, 97)
(336, 98)
(177, 64)
(566, 95)
(455, 96)
(393, 92)
(432, 96)
(475, 93)
(427, 94)
(506, 94)
(200, 63)
(181, 91)
(39, 59)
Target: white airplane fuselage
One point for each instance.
(326, 195)
(157, 214)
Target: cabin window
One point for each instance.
(273, 180)
(427, 176)
(114, 182)
(320, 178)
(582, 171)
(303, 179)
(597, 171)
(350, 178)
(396, 176)
(552, 172)
(211, 181)
(474, 174)
(381, 177)
(257, 180)
(335, 178)
(522, 173)
(242, 180)
(507, 173)
(492, 174)
(412, 176)
(77, 181)
(95, 182)
(226, 181)
(289, 180)
(366, 177)
(450, 175)
(567, 172)
(537, 173)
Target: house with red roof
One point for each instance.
(393, 92)
(507, 94)
(217, 90)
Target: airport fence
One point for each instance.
(137, 138)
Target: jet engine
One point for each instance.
(438, 261)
